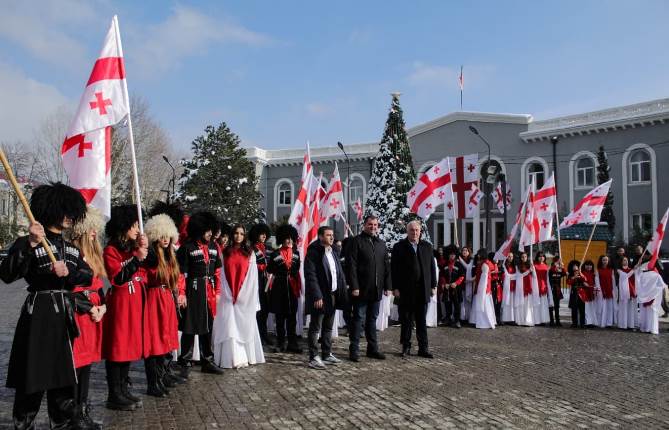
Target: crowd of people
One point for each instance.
(187, 286)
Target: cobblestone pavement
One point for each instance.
(510, 377)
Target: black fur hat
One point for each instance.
(122, 219)
(257, 230)
(51, 203)
(226, 230)
(173, 210)
(284, 232)
(201, 222)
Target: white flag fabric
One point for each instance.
(333, 204)
(86, 151)
(505, 248)
(300, 211)
(655, 243)
(357, 208)
(589, 209)
(545, 207)
(499, 201)
(529, 232)
(430, 190)
(475, 196)
(464, 174)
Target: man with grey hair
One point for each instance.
(414, 282)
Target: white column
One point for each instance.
(476, 232)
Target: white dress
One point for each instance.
(606, 307)
(384, 313)
(541, 312)
(507, 298)
(483, 307)
(235, 335)
(466, 305)
(524, 311)
(627, 313)
(431, 318)
(649, 287)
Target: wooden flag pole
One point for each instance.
(24, 202)
(135, 176)
(557, 232)
(592, 233)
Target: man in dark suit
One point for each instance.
(368, 276)
(325, 291)
(414, 282)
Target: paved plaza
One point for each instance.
(510, 377)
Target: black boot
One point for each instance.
(86, 412)
(208, 366)
(163, 381)
(152, 387)
(125, 383)
(115, 398)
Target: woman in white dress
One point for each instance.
(627, 315)
(467, 262)
(235, 338)
(527, 292)
(649, 289)
(508, 288)
(605, 284)
(432, 315)
(483, 307)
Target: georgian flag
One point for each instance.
(86, 151)
(357, 208)
(545, 208)
(464, 173)
(430, 190)
(529, 233)
(299, 214)
(504, 249)
(589, 209)
(333, 203)
(653, 246)
(473, 201)
(499, 201)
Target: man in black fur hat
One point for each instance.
(258, 235)
(41, 358)
(454, 276)
(200, 262)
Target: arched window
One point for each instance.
(585, 172)
(492, 167)
(357, 188)
(285, 194)
(639, 166)
(536, 175)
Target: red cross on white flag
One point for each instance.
(86, 150)
(300, 210)
(357, 208)
(430, 190)
(473, 202)
(545, 207)
(333, 201)
(497, 197)
(464, 173)
(589, 209)
(655, 243)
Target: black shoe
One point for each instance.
(155, 391)
(424, 354)
(85, 413)
(128, 395)
(558, 324)
(458, 325)
(354, 357)
(406, 351)
(209, 367)
(117, 401)
(377, 355)
(294, 348)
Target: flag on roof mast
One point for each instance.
(86, 151)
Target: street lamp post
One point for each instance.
(348, 184)
(174, 175)
(486, 193)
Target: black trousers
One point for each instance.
(286, 324)
(408, 315)
(83, 378)
(188, 341)
(452, 301)
(367, 312)
(320, 324)
(61, 406)
(578, 313)
(554, 311)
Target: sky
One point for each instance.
(283, 73)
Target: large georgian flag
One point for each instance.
(299, 214)
(430, 190)
(589, 209)
(499, 201)
(333, 205)
(464, 174)
(653, 247)
(504, 249)
(86, 150)
(545, 208)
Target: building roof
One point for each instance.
(600, 121)
(583, 231)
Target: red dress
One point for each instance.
(606, 282)
(122, 325)
(236, 266)
(88, 345)
(542, 278)
(160, 329)
(587, 294)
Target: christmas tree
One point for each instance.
(392, 177)
(220, 179)
(603, 170)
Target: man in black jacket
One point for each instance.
(414, 281)
(368, 276)
(325, 290)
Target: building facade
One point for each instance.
(635, 138)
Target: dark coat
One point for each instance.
(318, 280)
(280, 298)
(367, 267)
(413, 274)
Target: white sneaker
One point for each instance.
(316, 363)
(331, 359)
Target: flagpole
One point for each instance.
(135, 176)
(592, 233)
(461, 87)
(24, 202)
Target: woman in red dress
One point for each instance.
(163, 280)
(125, 258)
(89, 309)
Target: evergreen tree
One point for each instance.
(393, 175)
(220, 179)
(603, 170)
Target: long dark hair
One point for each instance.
(243, 247)
(600, 262)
